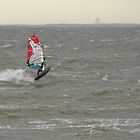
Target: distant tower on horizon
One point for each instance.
(97, 20)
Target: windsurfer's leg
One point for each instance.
(42, 66)
(38, 72)
(41, 69)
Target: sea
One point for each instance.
(92, 91)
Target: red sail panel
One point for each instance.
(35, 39)
(29, 52)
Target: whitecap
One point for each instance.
(76, 48)
(105, 78)
(6, 46)
(91, 40)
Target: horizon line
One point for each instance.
(71, 24)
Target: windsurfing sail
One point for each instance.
(35, 53)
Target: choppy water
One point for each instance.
(91, 92)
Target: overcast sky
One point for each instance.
(69, 11)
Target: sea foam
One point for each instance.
(15, 75)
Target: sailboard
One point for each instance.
(35, 56)
(44, 72)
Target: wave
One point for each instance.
(89, 126)
(81, 126)
(17, 76)
(6, 46)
